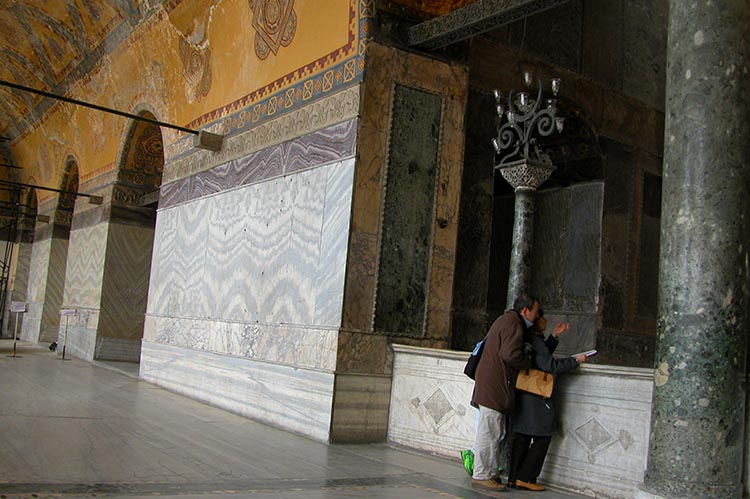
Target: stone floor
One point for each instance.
(75, 429)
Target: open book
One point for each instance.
(588, 353)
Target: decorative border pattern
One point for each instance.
(327, 75)
(322, 114)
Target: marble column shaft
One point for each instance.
(698, 412)
(519, 275)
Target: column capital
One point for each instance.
(525, 174)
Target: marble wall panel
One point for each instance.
(605, 417)
(316, 148)
(78, 333)
(430, 399)
(85, 267)
(119, 349)
(333, 245)
(78, 338)
(288, 397)
(360, 408)
(125, 282)
(256, 254)
(40, 252)
(387, 68)
(54, 291)
(177, 285)
(304, 346)
(14, 321)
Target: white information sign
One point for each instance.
(67, 311)
(18, 306)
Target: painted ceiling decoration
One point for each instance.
(49, 45)
(196, 63)
(275, 23)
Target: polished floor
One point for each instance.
(73, 429)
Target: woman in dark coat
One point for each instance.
(533, 420)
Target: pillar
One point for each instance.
(698, 411)
(525, 176)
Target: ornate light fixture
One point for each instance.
(525, 166)
(521, 124)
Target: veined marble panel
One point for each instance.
(605, 416)
(430, 401)
(38, 272)
(121, 349)
(14, 321)
(360, 408)
(301, 346)
(125, 281)
(53, 292)
(316, 148)
(258, 254)
(331, 112)
(333, 245)
(291, 398)
(78, 333)
(85, 266)
(80, 342)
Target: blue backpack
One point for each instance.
(473, 360)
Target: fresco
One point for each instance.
(222, 65)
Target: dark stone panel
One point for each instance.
(408, 212)
(469, 318)
(602, 41)
(617, 219)
(648, 248)
(620, 348)
(554, 34)
(503, 211)
(314, 149)
(566, 252)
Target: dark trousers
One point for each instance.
(527, 457)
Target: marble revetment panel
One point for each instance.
(408, 212)
(604, 416)
(265, 257)
(85, 266)
(302, 346)
(289, 397)
(566, 258)
(125, 281)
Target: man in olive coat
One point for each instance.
(495, 386)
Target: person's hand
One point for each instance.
(580, 358)
(560, 329)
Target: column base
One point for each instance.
(706, 492)
(644, 494)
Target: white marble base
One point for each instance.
(292, 398)
(605, 414)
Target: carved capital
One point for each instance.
(526, 174)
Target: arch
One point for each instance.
(69, 184)
(129, 243)
(141, 161)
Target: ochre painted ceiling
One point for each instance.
(48, 44)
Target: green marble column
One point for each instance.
(698, 414)
(525, 176)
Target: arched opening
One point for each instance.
(487, 215)
(130, 242)
(21, 263)
(55, 255)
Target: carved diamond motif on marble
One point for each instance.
(595, 437)
(438, 407)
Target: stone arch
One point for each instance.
(130, 241)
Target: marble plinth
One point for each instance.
(604, 412)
